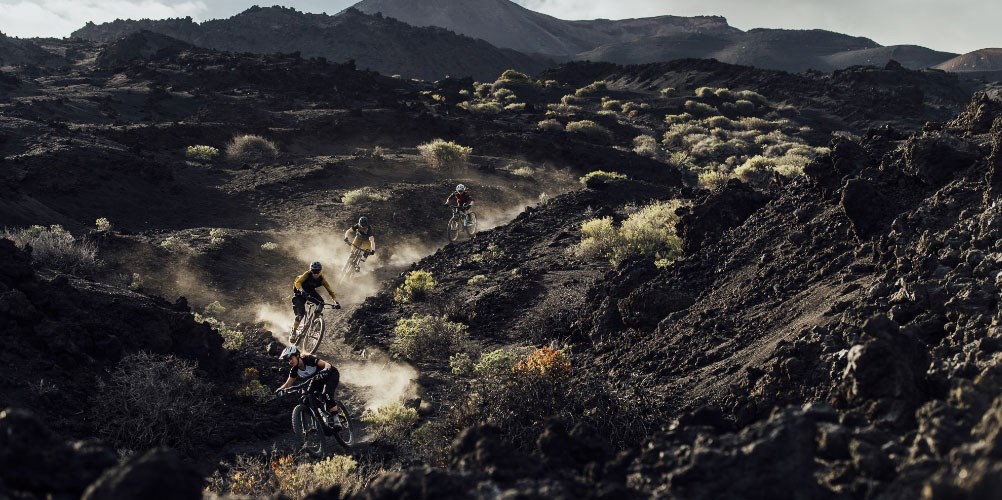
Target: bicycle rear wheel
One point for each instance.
(471, 224)
(453, 228)
(343, 435)
(314, 335)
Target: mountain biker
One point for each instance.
(463, 199)
(362, 237)
(305, 287)
(319, 372)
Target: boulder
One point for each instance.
(159, 473)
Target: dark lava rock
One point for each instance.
(159, 473)
(936, 158)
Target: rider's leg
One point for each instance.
(315, 296)
(329, 387)
(299, 309)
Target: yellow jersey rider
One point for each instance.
(305, 288)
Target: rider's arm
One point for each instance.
(323, 365)
(288, 383)
(372, 243)
(330, 290)
(298, 284)
(450, 198)
(347, 232)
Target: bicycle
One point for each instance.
(355, 259)
(311, 330)
(463, 219)
(313, 423)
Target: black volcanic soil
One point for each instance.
(833, 336)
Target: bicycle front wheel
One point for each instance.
(308, 429)
(454, 228)
(343, 435)
(314, 335)
(471, 224)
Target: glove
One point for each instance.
(371, 252)
(346, 240)
(280, 392)
(337, 305)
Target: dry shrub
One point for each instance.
(201, 153)
(285, 476)
(391, 423)
(598, 238)
(55, 248)
(591, 88)
(756, 171)
(446, 155)
(713, 180)
(424, 336)
(646, 145)
(251, 148)
(154, 400)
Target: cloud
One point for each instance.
(59, 18)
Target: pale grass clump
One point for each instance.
(589, 129)
(362, 195)
(598, 238)
(285, 476)
(592, 88)
(251, 148)
(442, 154)
(201, 153)
(598, 178)
(713, 180)
(646, 145)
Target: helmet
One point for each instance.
(363, 221)
(316, 267)
(289, 352)
(460, 188)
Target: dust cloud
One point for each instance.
(379, 379)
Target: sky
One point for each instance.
(955, 26)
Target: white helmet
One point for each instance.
(289, 352)
(460, 188)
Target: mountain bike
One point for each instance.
(313, 423)
(463, 220)
(355, 259)
(311, 329)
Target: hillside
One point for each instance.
(909, 56)
(375, 43)
(16, 51)
(506, 24)
(688, 279)
(984, 60)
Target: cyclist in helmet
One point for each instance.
(463, 199)
(305, 287)
(362, 236)
(305, 366)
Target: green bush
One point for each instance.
(744, 107)
(362, 195)
(524, 172)
(713, 180)
(477, 280)
(612, 104)
(201, 153)
(756, 171)
(217, 236)
(570, 99)
(682, 118)
(55, 248)
(254, 390)
(598, 238)
(251, 148)
(214, 309)
(425, 336)
(599, 178)
(391, 423)
(666, 91)
(705, 92)
(416, 287)
(444, 154)
(590, 130)
(154, 400)
(269, 246)
(651, 231)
